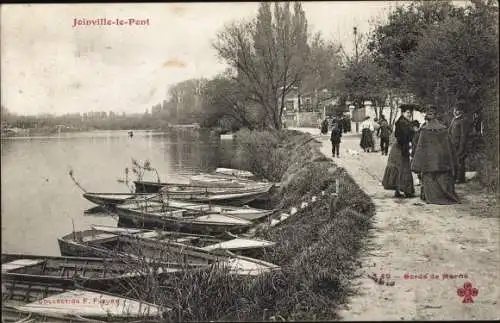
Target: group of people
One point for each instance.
(434, 152)
(377, 128)
(338, 126)
(325, 124)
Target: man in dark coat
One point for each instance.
(458, 134)
(416, 134)
(346, 124)
(434, 159)
(324, 127)
(384, 132)
(336, 136)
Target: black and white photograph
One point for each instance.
(250, 161)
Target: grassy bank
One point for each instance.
(317, 247)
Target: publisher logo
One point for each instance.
(467, 292)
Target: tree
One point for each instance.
(391, 43)
(362, 79)
(323, 67)
(268, 55)
(456, 61)
(224, 99)
(185, 101)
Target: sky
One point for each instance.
(50, 66)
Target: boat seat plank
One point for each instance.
(98, 236)
(240, 244)
(186, 239)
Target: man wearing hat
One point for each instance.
(435, 161)
(458, 134)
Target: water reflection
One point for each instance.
(40, 201)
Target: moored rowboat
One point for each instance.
(232, 196)
(152, 215)
(243, 212)
(116, 198)
(112, 199)
(94, 273)
(60, 304)
(222, 242)
(160, 251)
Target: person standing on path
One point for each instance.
(397, 174)
(435, 161)
(346, 123)
(416, 134)
(366, 135)
(458, 134)
(384, 132)
(336, 137)
(324, 127)
(415, 125)
(376, 127)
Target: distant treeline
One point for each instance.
(83, 122)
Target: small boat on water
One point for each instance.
(157, 251)
(235, 173)
(224, 180)
(39, 302)
(154, 215)
(116, 198)
(94, 273)
(112, 199)
(244, 212)
(206, 194)
(225, 241)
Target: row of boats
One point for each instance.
(164, 229)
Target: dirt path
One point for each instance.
(410, 237)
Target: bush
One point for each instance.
(261, 154)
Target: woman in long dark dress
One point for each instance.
(397, 175)
(435, 161)
(366, 142)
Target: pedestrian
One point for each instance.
(458, 134)
(376, 126)
(347, 124)
(416, 133)
(384, 132)
(415, 126)
(434, 159)
(366, 135)
(336, 137)
(397, 174)
(324, 127)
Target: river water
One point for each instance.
(40, 201)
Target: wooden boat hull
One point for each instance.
(170, 222)
(168, 251)
(233, 243)
(62, 304)
(242, 212)
(94, 273)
